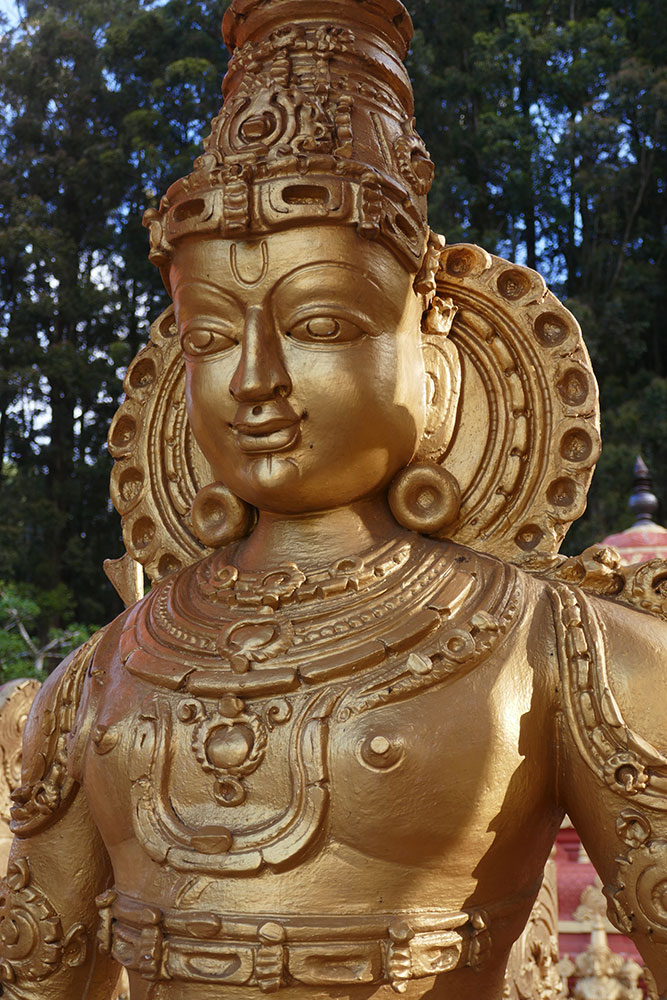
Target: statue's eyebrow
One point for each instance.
(210, 285)
(303, 270)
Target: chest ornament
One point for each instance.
(406, 617)
(229, 742)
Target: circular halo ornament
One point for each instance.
(523, 448)
(159, 468)
(527, 433)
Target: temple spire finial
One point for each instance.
(643, 503)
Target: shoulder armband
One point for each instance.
(16, 697)
(628, 764)
(621, 758)
(47, 787)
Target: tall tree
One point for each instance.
(547, 121)
(105, 103)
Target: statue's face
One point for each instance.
(305, 378)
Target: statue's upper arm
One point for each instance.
(58, 863)
(614, 757)
(47, 787)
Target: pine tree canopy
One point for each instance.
(547, 122)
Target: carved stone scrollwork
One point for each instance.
(413, 159)
(638, 901)
(646, 586)
(532, 970)
(34, 946)
(621, 758)
(600, 570)
(49, 787)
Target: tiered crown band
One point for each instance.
(317, 126)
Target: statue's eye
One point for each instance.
(203, 340)
(325, 330)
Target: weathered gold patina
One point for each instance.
(329, 752)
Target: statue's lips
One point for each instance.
(275, 434)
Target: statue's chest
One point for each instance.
(234, 785)
(257, 732)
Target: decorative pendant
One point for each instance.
(228, 742)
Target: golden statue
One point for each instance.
(16, 697)
(329, 752)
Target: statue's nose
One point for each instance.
(261, 372)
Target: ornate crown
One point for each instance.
(317, 125)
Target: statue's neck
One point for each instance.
(315, 540)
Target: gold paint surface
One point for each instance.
(328, 753)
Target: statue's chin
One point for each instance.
(277, 483)
(274, 482)
(272, 471)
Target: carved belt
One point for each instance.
(252, 950)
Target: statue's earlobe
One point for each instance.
(424, 496)
(443, 379)
(219, 516)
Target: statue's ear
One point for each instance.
(443, 379)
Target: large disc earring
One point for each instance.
(219, 516)
(425, 497)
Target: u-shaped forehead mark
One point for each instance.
(257, 268)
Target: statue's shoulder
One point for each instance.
(47, 787)
(612, 618)
(635, 654)
(613, 688)
(601, 629)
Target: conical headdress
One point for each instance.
(317, 125)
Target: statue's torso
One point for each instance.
(349, 808)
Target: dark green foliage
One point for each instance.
(29, 645)
(105, 102)
(547, 121)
